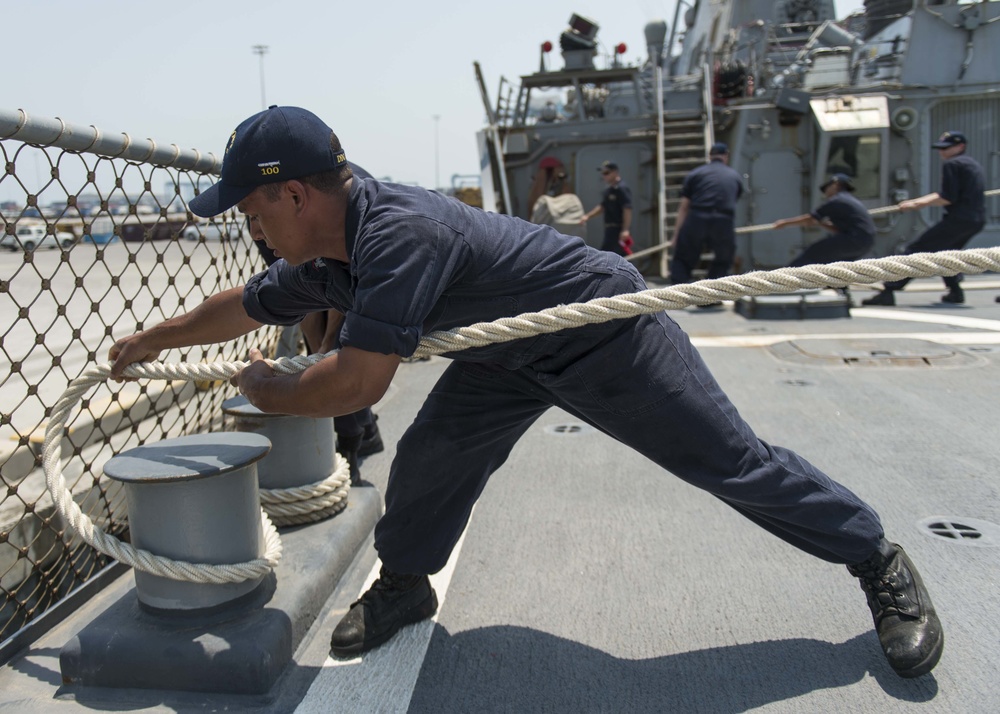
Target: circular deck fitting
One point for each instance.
(962, 531)
(568, 429)
(186, 458)
(302, 448)
(194, 499)
(883, 352)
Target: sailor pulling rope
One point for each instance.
(554, 319)
(770, 227)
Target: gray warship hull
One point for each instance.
(796, 95)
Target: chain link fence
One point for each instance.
(97, 243)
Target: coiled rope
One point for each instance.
(311, 502)
(506, 329)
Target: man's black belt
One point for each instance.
(710, 209)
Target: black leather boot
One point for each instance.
(883, 298)
(348, 446)
(392, 602)
(908, 627)
(371, 441)
(955, 296)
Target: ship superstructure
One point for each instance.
(795, 93)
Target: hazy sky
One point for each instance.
(378, 72)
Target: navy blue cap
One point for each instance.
(718, 149)
(949, 138)
(277, 144)
(843, 179)
(608, 166)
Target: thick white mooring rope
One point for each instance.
(919, 265)
(311, 502)
(783, 280)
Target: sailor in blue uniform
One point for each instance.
(616, 205)
(852, 230)
(705, 217)
(358, 433)
(400, 262)
(963, 186)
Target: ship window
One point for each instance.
(859, 156)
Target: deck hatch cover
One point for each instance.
(861, 352)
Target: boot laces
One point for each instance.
(886, 594)
(387, 582)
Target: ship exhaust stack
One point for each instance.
(656, 35)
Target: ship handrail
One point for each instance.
(706, 98)
(58, 133)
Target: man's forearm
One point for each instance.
(219, 319)
(930, 199)
(682, 211)
(805, 219)
(343, 383)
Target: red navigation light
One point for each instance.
(546, 46)
(620, 48)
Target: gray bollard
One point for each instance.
(195, 499)
(302, 448)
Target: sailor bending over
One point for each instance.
(400, 262)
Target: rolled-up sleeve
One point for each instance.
(372, 335)
(404, 269)
(284, 294)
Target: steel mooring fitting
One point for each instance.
(302, 479)
(302, 448)
(194, 499)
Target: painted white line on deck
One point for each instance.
(973, 323)
(943, 338)
(381, 680)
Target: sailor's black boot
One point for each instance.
(371, 442)
(907, 625)
(392, 602)
(348, 447)
(955, 296)
(883, 298)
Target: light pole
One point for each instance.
(437, 162)
(261, 50)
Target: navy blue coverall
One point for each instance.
(614, 200)
(855, 234)
(963, 183)
(420, 262)
(712, 190)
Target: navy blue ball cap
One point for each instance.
(277, 144)
(607, 166)
(843, 179)
(719, 148)
(949, 138)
